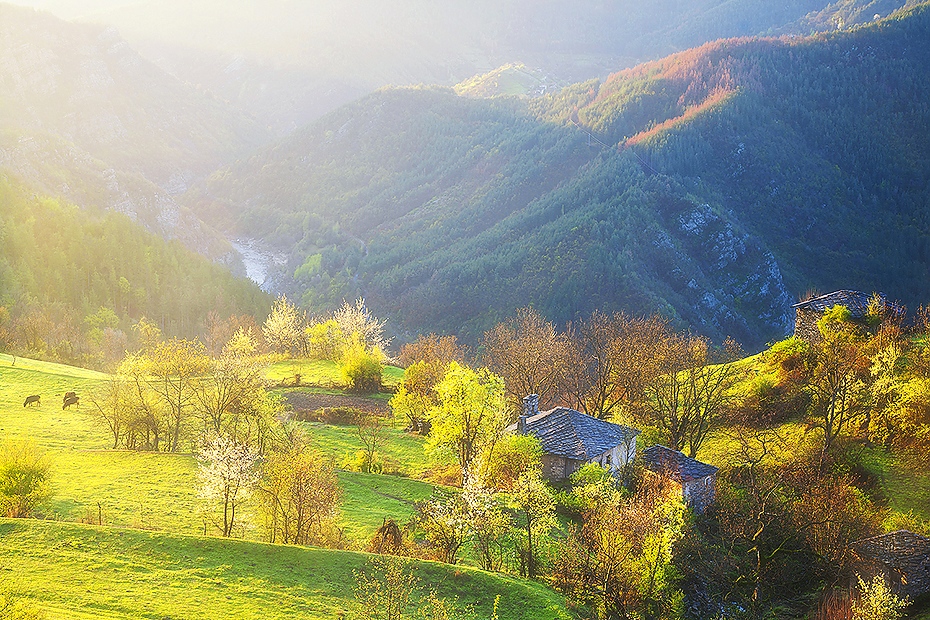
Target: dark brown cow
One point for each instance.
(70, 400)
(32, 400)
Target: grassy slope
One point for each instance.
(902, 489)
(86, 572)
(401, 451)
(159, 491)
(80, 571)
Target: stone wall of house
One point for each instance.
(699, 494)
(558, 468)
(805, 325)
(618, 457)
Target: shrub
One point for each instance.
(771, 402)
(363, 462)
(25, 478)
(513, 455)
(361, 370)
(877, 601)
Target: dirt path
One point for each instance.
(308, 402)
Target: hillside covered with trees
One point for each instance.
(73, 282)
(714, 186)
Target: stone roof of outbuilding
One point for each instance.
(675, 464)
(905, 554)
(856, 302)
(575, 435)
(893, 547)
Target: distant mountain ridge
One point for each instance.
(84, 116)
(714, 186)
(287, 63)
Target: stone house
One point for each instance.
(808, 312)
(698, 481)
(571, 439)
(902, 557)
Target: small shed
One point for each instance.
(571, 439)
(808, 312)
(902, 557)
(698, 480)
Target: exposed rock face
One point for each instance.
(723, 275)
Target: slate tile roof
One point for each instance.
(675, 464)
(575, 435)
(905, 553)
(856, 302)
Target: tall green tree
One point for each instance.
(841, 376)
(470, 415)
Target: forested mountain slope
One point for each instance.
(288, 62)
(84, 116)
(715, 186)
(73, 282)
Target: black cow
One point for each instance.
(32, 400)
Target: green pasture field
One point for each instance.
(369, 499)
(403, 452)
(80, 572)
(158, 491)
(323, 373)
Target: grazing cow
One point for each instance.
(32, 400)
(70, 400)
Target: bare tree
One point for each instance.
(529, 354)
(841, 377)
(231, 398)
(436, 351)
(176, 365)
(612, 358)
(372, 433)
(300, 497)
(754, 511)
(689, 398)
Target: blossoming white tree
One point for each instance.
(227, 473)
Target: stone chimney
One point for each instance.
(530, 408)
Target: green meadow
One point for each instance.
(323, 373)
(150, 558)
(158, 491)
(80, 571)
(401, 452)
